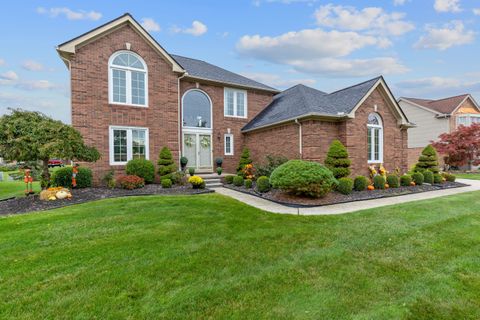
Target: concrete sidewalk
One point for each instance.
(266, 205)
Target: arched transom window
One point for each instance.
(128, 81)
(197, 110)
(374, 138)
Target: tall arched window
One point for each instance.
(128, 79)
(374, 138)
(197, 110)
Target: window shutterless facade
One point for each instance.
(235, 103)
(127, 143)
(228, 144)
(467, 119)
(374, 139)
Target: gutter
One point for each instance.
(300, 142)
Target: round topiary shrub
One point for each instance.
(166, 183)
(345, 185)
(393, 181)
(360, 183)
(428, 176)
(437, 178)
(248, 183)
(229, 179)
(303, 178)
(418, 178)
(379, 182)
(238, 181)
(405, 180)
(63, 177)
(141, 168)
(449, 177)
(263, 184)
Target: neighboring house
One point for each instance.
(130, 98)
(434, 117)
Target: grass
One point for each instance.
(213, 257)
(472, 176)
(10, 189)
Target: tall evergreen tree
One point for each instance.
(428, 160)
(337, 160)
(244, 160)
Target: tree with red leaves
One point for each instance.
(461, 147)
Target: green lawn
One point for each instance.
(473, 176)
(10, 189)
(210, 256)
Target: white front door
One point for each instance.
(197, 148)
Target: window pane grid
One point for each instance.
(120, 145)
(240, 104)
(119, 86)
(128, 144)
(230, 103)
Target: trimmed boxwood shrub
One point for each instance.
(303, 178)
(405, 180)
(238, 181)
(418, 178)
(379, 182)
(337, 160)
(449, 177)
(248, 183)
(428, 160)
(437, 178)
(345, 185)
(428, 176)
(229, 179)
(166, 183)
(141, 168)
(263, 184)
(360, 183)
(393, 181)
(63, 177)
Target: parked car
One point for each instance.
(55, 163)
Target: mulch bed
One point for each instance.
(33, 203)
(336, 197)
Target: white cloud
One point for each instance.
(447, 6)
(150, 25)
(31, 65)
(70, 14)
(476, 11)
(36, 85)
(8, 77)
(438, 86)
(372, 19)
(277, 81)
(399, 2)
(451, 34)
(2, 62)
(197, 29)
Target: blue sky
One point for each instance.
(424, 48)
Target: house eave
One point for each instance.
(230, 84)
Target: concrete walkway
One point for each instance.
(266, 205)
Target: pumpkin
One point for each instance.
(62, 194)
(413, 184)
(387, 186)
(370, 187)
(52, 198)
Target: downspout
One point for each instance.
(179, 134)
(300, 142)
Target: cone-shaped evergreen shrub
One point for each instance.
(166, 165)
(337, 160)
(428, 160)
(244, 160)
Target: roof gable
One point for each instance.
(443, 106)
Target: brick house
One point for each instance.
(130, 98)
(434, 117)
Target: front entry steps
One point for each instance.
(212, 180)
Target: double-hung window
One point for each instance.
(235, 102)
(228, 143)
(127, 143)
(374, 139)
(467, 119)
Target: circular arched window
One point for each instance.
(197, 109)
(374, 138)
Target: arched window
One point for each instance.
(128, 79)
(197, 110)
(374, 138)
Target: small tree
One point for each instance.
(461, 146)
(244, 160)
(166, 165)
(32, 136)
(337, 160)
(428, 160)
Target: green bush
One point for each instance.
(393, 181)
(238, 181)
(303, 178)
(337, 160)
(449, 177)
(428, 176)
(229, 179)
(405, 180)
(109, 179)
(166, 165)
(379, 182)
(263, 184)
(345, 185)
(191, 171)
(428, 160)
(244, 160)
(248, 183)
(131, 182)
(360, 183)
(437, 178)
(141, 168)
(63, 177)
(166, 183)
(183, 162)
(418, 178)
(271, 163)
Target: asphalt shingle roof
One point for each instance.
(201, 69)
(301, 100)
(446, 105)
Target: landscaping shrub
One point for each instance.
(405, 180)
(248, 183)
(428, 176)
(360, 183)
(263, 184)
(197, 182)
(219, 162)
(8, 167)
(393, 181)
(379, 182)
(219, 171)
(142, 168)
(345, 185)
(191, 171)
(428, 160)
(229, 179)
(244, 160)
(109, 179)
(418, 178)
(166, 183)
(337, 160)
(131, 182)
(449, 177)
(238, 181)
(303, 178)
(271, 163)
(183, 162)
(166, 165)
(63, 177)
(437, 178)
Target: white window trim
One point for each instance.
(229, 135)
(129, 144)
(211, 113)
(468, 116)
(128, 79)
(372, 142)
(235, 113)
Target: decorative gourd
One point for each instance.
(387, 186)
(413, 184)
(52, 198)
(370, 187)
(61, 194)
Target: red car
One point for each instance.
(55, 163)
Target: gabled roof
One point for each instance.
(198, 69)
(301, 101)
(443, 106)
